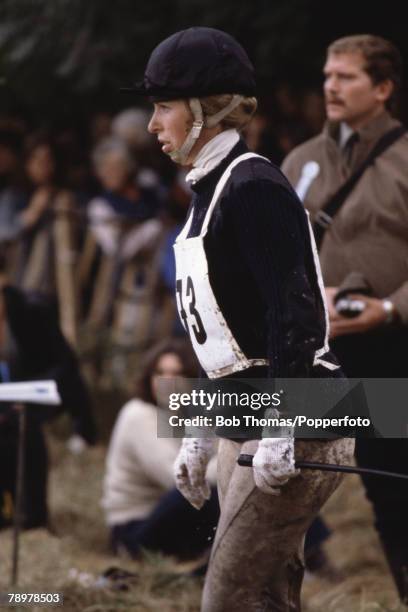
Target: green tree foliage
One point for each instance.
(56, 55)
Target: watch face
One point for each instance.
(389, 309)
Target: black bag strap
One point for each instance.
(325, 216)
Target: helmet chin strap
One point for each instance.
(180, 156)
(215, 119)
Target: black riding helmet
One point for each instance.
(192, 64)
(195, 63)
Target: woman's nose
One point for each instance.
(152, 125)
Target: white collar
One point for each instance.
(344, 134)
(211, 154)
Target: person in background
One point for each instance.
(143, 508)
(118, 271)
(32, 347)
(44, 260)
(364, 249)
(122, 202)
(43, 183)
(130, 126)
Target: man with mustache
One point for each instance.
(364, 248)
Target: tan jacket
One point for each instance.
(369, 235)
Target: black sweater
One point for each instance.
(261, 266)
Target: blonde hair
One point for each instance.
(238, 118)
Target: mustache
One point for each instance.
(332, 100)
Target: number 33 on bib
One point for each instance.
(214, 344)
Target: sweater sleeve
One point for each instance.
(270, 227)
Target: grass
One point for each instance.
(79, 544)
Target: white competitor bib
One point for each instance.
(214, 344)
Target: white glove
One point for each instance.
(274, 464)
(190, 468)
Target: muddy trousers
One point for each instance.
(257, 558)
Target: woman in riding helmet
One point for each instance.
(249, 293)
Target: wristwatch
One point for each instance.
(389, 309)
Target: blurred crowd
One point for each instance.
(88, 219)
(87, 284)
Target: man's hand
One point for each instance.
(372, 316)
(274, 464)
(190, 468)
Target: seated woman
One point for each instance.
(143, 508)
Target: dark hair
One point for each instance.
(382, 59)
(176, 346)
(39, 139)
(12, 140)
